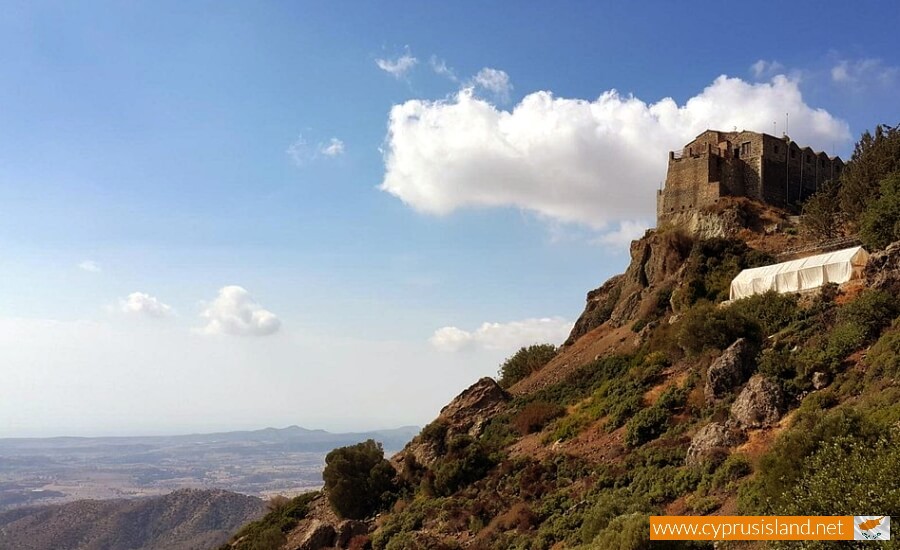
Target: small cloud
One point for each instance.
(397, 67)
(502, 336)
(234, 312)
(301, 151)
(766, 69)
(334, 148)
(140, 303)
(862, 73)
(622, 237)
(495, 81)
(439, 66)
(90, 266)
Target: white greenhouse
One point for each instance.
(807, 273)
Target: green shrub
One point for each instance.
(358, 480)
(883, 359)
(712, 265)
(771, 311)
(872, 311)
(781, 468)
(626, 532)
(534, 416)
(435, 434)
(874, 158)
(646, 425)
(880, 222)
(672, 398)
(706, 326)
(734, 468)
(466, 462)
(524, 362)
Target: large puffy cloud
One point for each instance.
(141, 303)
(502, 336)
(571, 160)
(235, 312)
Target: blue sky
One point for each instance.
(211, 211)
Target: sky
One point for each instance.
(233, 215)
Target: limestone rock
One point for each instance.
(729, 370)
(710, 438)
(348, 529)
(883, 270)
(760, 403)
(318, 535)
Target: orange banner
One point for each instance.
(751, 527)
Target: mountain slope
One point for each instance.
(664, 400)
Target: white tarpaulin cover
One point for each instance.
(803, 274)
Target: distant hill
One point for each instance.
(257, 462)
(187, 519)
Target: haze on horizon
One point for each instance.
(232, 216)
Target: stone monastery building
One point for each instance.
(716, 164)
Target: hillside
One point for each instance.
(182, 520)
(665, 399)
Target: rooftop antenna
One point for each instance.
(775, 128)
(787, 123)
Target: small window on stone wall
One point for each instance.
(745, 149)
(776, 149)
(793, 154)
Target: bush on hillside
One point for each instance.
(706, 326)
(712, 265)
(467, 461)
(358, 480)
(880, 222)
(524, 362)
(883, 360)
(771, 311)
(874, 158)
(646, 425)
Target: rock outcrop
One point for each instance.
(466, 414)
(655, 260)
(729, 370)
(712, 438)
(348, 529)
(883, 270)
(318, 535)
(760, 404)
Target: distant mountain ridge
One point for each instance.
(187, 519)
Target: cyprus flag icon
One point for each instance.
(871, 527)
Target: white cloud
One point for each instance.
(140, 303)
(861, 73)
(502, 336)
(301, 151)
(397, 67)
(334, 148)
(234, 312)
(763, 68)
(495, 81)
(90, 266)
(622, 237)
(596, 163)
(439, 66)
